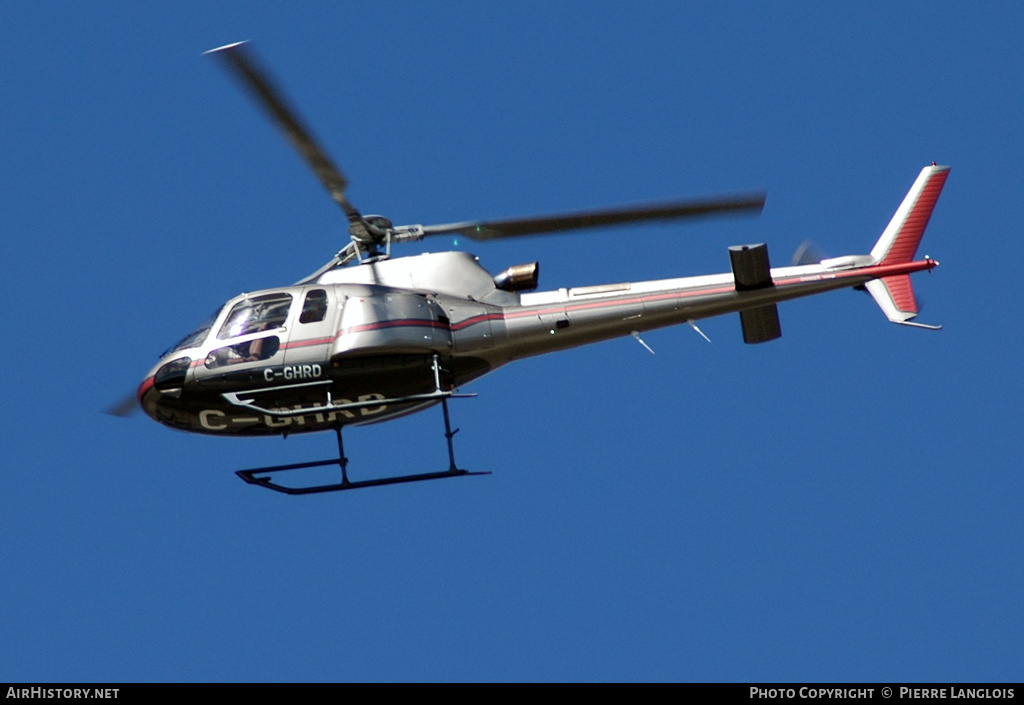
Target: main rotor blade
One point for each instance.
(242, 64)
(674, 210)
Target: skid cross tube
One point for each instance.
(234, 398)
(266, 480)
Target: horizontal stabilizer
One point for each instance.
(751, 271)
(760, 324)
(750, 267)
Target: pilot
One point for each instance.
(262, 348)
(256, 346)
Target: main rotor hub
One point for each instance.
(379, 221)
(370, 229)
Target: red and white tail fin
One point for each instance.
(899, 242)
(901, 237)
(895, 296)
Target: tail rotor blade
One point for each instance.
(808, 253)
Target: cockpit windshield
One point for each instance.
(259, 313)
(196, 337)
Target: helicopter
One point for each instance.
(367, 338)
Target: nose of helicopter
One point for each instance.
(144, 387)
(160, 393)
(168, 379)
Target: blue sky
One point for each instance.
(840, 504)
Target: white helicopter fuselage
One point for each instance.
(368, 343)
(387, 337)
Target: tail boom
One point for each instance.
(565, 318)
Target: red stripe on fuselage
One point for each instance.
(676, 294)
(308, 342)
(874, 272)
(410, 322)
(466, 323)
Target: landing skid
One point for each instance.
(250, 476)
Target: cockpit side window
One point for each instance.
(314, 308)
(248, 351)
(259, 313)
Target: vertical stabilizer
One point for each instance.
(898, 245)
(900, 239)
